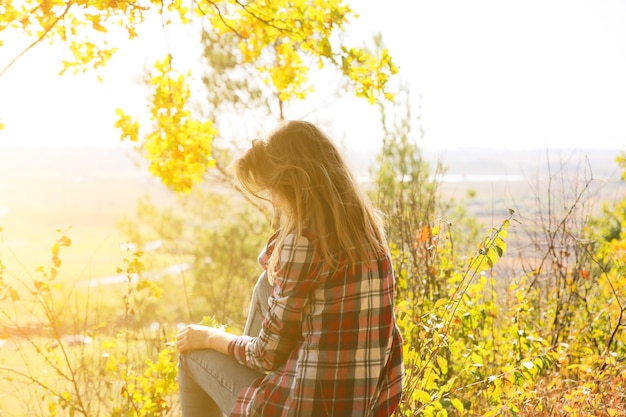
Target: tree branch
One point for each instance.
(43, 35)
(219, 13)
(267, 22)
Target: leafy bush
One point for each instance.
(66, 362)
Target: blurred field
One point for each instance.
(80, 191)
(83, 192)
(87, 190)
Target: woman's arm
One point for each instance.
(196, 336)
(281, 331)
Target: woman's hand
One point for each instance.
(194, 337)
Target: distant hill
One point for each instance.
(94, 180)
(478, 161)
(90, 189)
(122, 162)
(520, 179)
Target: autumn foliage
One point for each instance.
(279, 40)
(544, 337)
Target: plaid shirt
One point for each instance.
(329, 343)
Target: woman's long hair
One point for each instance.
(304, 172)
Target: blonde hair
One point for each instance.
(303, 170)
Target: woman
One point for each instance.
(328, 344)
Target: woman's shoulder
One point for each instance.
(295, 239)
(298, 247)
(303, 242)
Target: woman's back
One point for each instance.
(330, 340)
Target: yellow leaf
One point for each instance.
(497, 388)
(64, 241)
(421, 396)
(610, 360)
(443, 364)
(456, 403)
(429, 380)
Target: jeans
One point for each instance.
(209, 381)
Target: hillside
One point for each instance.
(503, 179)
(89, 189)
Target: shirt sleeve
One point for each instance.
(280, 334)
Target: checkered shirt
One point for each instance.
(329, 345)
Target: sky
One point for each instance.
(496, 74)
